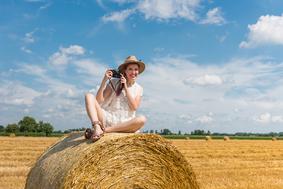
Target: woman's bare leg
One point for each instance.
(130, 126)
(94, 111)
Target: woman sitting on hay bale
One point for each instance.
(113, 107)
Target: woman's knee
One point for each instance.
(88, 96)
(141, 120)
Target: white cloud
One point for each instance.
(118, 16)
(164, 10)
(161, 10)
(29, 38)
(158, 49)
(204, 80)
(268, 118)
(263, 118)
(204, 119)
(100, 3)
(45, 6)
(278, 119)
(267, 31)
(17, 94)
(73, 50)
(59, 58)
(157, 10)
(26, 50)
(54, 87)
(90, 67)
(64, 55)
(214, 16)
(32, 69)
(187, 118)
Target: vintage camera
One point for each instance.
(116, 73)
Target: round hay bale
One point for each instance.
(208, 138)
(12, 135)
(187, 138)
(274, 138)
(115, 161)
(226, 138)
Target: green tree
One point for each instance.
(40, 126)
(12, 128)
(47, 128)
(198, 132)
(166, 132)
(2, 128)
(28, 124)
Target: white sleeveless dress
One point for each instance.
(116, 108)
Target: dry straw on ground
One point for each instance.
(226, 138)
(115, 161)
(208, 138)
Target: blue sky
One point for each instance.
(213, 65)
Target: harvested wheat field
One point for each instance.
(237, 164)
(17, 155)
(218, 164)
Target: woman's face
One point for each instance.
(132, 71)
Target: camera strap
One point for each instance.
(112, 86)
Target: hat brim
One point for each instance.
(124, 65)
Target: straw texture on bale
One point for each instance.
(114, 161)
(274, 138)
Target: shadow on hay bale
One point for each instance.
(115, 161)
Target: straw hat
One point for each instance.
(131, 60)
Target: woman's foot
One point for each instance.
(97, 131)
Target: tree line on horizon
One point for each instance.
(200, 132)
(28, 125)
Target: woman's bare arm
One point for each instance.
(104, 90)
(134, 103)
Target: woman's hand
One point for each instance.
(108, 74)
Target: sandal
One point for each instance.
(88, 133)
(95, 136)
